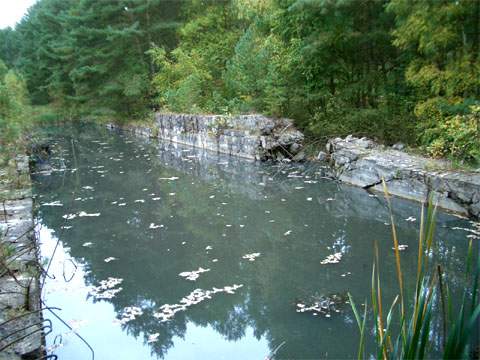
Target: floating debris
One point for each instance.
(193, 275)
(87, 187)
(251, 257)
(130, 313)
(153, 338)
(401, 247)
(54, 203)
(473, 233)
(321, 304)
(170, 178)
(69, 216)
(108, 259)
(168, 311)
(411, 219)
(139, 201)
(83, 214)
(332, 259)
(309, 199)
(287, 233)
(153, 226)
(106, 289)
(87, 244)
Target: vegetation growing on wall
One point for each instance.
(394, 70)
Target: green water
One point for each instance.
(160, 210)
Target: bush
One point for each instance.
(448, 129)
(387, 123)
(13, 105)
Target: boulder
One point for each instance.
(398, 146)
(322, 156)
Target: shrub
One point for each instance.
(385, 123)
(446, 131)
(13, 106)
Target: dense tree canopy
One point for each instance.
(395, 70)
(91, 55)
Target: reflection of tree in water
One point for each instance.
(150, 260)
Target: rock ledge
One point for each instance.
(364, 163)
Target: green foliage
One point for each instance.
(89, 57)
(254, 75)
(189, 78)
(385, 123)
(181, 80)
(9, 46)
(445, 135)
(13, 105)
(442, 39)
(395, 70)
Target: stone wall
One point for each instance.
(359, 162)
(21, 323)
(253, 137)
(362, 162)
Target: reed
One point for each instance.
(409, 338)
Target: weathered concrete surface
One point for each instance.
(359, 162)
(254, 137)
(362, 162)
(21, 323)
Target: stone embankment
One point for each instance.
(253, 137)
(364, 163)
(21, 324)
(355, 161)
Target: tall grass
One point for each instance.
(408, 337)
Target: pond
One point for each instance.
(159, 251)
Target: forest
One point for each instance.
(393, 70)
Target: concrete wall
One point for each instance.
(21, 332)
(362, 162)
(253, 137)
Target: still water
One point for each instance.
(159, 251)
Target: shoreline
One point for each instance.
(22, 328)
(354, 161)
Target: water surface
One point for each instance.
(133, 215)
